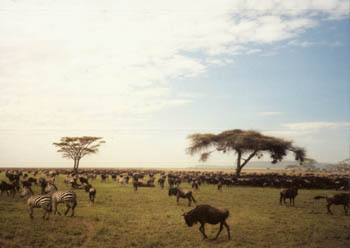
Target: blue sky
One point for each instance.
(145, 76)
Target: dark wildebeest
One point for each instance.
(290, 193)
(336, 199)
(219, 185)
(183, 194)
(195, 185)
(8, 188)
(43, 184)
(32, 180)
(92, 192)
(83, 180)
(207, 214)
(141, 184)
(161, 182)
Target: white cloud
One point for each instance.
(63, 61)
(311, 126)
(269, 113)
(301, 43)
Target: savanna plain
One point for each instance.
(148, 217)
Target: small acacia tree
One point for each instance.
(78, 147)
(243, 143)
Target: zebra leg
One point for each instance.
(73, 207)
(55, 208)
(45, 211)
(68, 207)
(31, 212)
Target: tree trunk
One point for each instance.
(75, 166)
(239, 167)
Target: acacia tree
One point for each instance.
(245, 144)
(78, 147)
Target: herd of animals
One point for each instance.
(22, 180)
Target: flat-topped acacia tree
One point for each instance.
(245, 144)
(78, 147)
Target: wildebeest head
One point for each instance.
(172, 191)
(87, 187)
(189, 219)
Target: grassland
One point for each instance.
(148, 217)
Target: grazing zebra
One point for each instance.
(37, 201)
(68, 197)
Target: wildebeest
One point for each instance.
(8, 188)
(195, 185)
(183, 194)
(83, 180)
(207, 214)
(92, 192)
(43, 184)
(290, 193)
(161, 182)
(141, 184)
(336, 199)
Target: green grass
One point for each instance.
(148, 217)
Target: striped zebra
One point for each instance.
(68, 197)
(38, 201)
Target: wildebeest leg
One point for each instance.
(189, 201)
(329, 209)
(201, 229)
(346, 209)
(228, 230)
(217, 235)
(177, 199)
(281, 197)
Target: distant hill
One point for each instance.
(258, 165)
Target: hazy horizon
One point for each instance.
(146, 74)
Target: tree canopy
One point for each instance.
(248, 143)
(78, 147)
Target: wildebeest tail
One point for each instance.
(227, 214)
(319, 197)
(193, 198)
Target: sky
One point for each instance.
(146, 74)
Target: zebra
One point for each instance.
(68, 197)
(37, 201)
